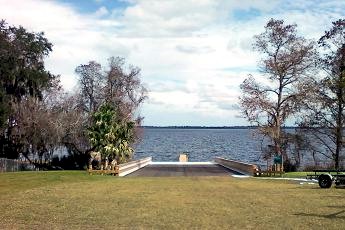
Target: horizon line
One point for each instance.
(202, 126)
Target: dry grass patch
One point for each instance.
(75, 200)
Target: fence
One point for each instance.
(10, 165)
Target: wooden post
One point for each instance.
(116, 168)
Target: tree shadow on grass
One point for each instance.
(333, 215)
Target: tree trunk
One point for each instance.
(339, 127)
(338, 147)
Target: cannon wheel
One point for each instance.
(325, 181)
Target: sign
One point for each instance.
(277, 159)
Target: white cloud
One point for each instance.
(76, 38)
(193, 53)
(102, 11)
(181, 18)
(194, 49)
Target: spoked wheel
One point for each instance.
(325, 181)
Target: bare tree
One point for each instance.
(324, 116)
(287, 61)
(123, 88)
(38, 127)
(90, 82)
(118, 85)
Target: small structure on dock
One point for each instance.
(183, 157)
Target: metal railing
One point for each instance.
(13, 165)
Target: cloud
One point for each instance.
(181, 18)
(168, 86)
(194, 49)
(76, 38)
(194, 54)
(101, 12)
(216, 94)
(167, 18)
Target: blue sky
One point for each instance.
(90, 6)
(194, 54)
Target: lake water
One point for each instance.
(166, 144)
(200, 144)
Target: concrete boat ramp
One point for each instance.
(166, 169)
(218, 167)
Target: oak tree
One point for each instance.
(22, 76)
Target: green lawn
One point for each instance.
(75, 200)
(297, 174)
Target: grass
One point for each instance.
(297, 174)
(75, 200)
(291, 175)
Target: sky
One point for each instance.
(193, 54)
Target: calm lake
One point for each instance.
(165, 144)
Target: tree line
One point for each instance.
(301, 80)
(37, 117)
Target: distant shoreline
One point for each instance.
(205, 127)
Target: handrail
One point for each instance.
(125, 168)
(132, 166)
(242, 167)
